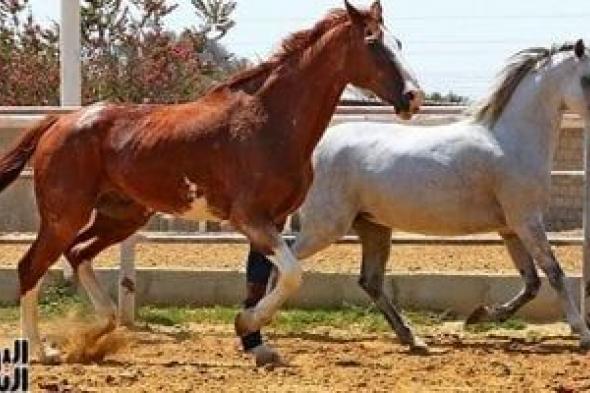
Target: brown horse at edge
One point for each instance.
(240, 153)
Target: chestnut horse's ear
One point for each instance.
(580, 49)
(377, 11)
(355, 15)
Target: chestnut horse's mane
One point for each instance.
(292, 47)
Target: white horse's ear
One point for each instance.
(377, 11)
(580, 49)
(355, 15)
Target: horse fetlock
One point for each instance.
(49, 355)
(480, 314)
(585, 342)
(419, 346)
(249, 321)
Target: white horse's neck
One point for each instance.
(529, 125)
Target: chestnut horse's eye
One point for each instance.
(372, 37)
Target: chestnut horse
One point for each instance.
(240, 153)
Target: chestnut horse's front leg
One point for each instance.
(258, 272)
(289, 280)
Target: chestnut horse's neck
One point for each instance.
(304, 94)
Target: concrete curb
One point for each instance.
(459, 293)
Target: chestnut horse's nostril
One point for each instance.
(415, 98)
(410, 95)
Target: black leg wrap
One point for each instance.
(258, 269)
(257, 273)
(251, 341)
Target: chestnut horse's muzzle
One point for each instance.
(411, 102)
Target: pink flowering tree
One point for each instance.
(128, 54)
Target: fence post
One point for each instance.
(70, 76)
(69, 44)
(585, 282)
(127, 281)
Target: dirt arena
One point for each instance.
(337, 258)
(204, 358)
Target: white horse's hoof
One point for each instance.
(266, 356)
(419, 346)
(585, 343)
(50, 356)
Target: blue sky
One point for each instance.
(456, 45)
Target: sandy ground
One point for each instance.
(337, 258)
(204, 358)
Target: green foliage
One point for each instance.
(366, 319)
(216, 16)
(510, 324)
(60, 297)
(450, 98)
(127, 53)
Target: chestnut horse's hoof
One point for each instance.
(266, 356)
(50, 356)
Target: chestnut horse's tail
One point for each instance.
(13, 162)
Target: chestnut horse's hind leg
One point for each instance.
(376, 246)
(526, 267)
(51, 242)
(101, 232)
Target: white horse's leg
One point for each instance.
(535, 240)
(319, 231)
(526, 267)
(102, 302)
(30, 326)
(376, 243)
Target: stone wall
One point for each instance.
(570, 150)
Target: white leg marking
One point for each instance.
(30, 326)
(29, 317)
(102, 302)
(289, 280)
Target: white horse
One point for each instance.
(489, 173)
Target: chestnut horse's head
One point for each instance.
(376, 63)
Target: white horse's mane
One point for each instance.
(519, 65)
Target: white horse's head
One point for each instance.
(576, 80)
